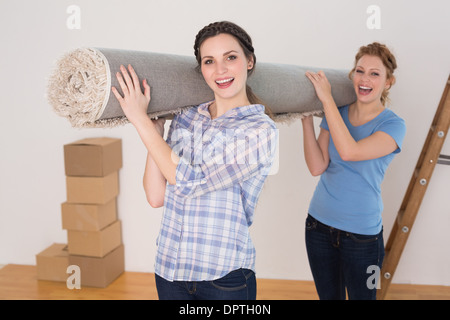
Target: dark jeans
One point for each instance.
(342, 260)
(239, 284)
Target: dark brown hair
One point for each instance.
(245, 41)
(381, 51)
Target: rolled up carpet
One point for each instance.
(80, 86)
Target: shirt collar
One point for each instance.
(238, 112)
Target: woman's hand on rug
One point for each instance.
(321, 85)
(134, 102)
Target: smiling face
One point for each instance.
(224, 67)
(370, 79)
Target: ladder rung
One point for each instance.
(446, 162)
(443, 159)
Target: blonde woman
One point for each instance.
(356, 143)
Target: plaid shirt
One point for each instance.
(207, 214)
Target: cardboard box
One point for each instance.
(93, 157)
(92, 190)
(100, 272)
(52, 263)
(95, 243)
(88, 217)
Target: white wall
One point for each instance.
(323, 33)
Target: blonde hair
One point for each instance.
(387, 58)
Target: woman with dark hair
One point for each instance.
(209, 173)
(356, 143)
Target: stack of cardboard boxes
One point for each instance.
(94, 239)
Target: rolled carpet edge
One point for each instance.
(77, 87)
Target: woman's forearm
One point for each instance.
(345, 144)
(154, 183)
(343, 141)
(159, 150)
(315, 158)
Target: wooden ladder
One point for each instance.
(416, 191)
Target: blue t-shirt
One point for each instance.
(348, 195)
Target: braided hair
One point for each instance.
(216, 28)
(245, 41)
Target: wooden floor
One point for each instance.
(19, 282)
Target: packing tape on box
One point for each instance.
(79, 88)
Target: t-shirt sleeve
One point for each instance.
(396, 128)
(324, 124)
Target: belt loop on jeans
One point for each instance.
(191, 286)
(338, 236)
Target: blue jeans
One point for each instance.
(340, 260)
(239, 284)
